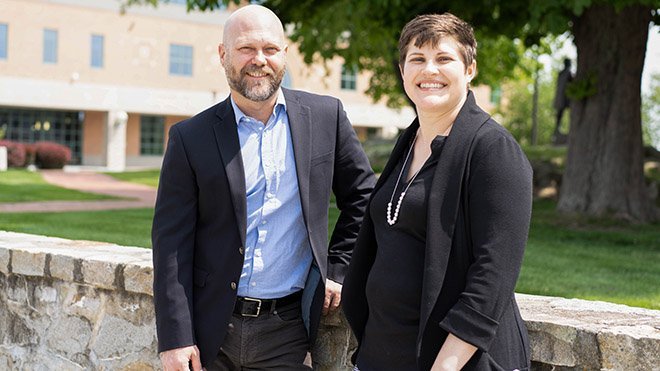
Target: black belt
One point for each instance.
(252, 307)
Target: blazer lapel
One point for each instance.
(443, 203)
(226, 136)
(300, 125)
(402, 144)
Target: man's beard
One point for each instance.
(257, 92)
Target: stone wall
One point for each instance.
(71, 305)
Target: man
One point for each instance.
(241, 263)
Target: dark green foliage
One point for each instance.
(365, 33)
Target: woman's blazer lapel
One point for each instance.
(443, 203)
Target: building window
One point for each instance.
(495, 95)
(97, 51)
(152, 135)
(3, 41)
(181, 60)
(34, 125)
(348, 77)
(50, 46)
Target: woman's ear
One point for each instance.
(471, 71)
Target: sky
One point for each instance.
(652, 61)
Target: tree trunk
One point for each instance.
(604, 169)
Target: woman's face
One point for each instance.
(435, 77)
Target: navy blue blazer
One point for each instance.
(479, 210)
(200, 218)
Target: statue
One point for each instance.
(561, 101)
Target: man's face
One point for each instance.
(254, 61)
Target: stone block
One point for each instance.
(61, 267)
(45, 361)
(117, 337)
(28, 263)
(18, 331)
(139, 278)
(330, 351)
(99, 273)
(46, 294)
(83, 302)
(4, 260)
(17, 289)
(553, 344)
(69, 336)
(630, 345)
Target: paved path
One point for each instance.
(137, 195)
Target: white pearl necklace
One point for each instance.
(391, 220)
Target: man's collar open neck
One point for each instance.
(258, 110)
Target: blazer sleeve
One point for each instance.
(498, 216)
(352, 184)
(173, 235)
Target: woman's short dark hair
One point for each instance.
(431, 28)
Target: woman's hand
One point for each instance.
(453, 355)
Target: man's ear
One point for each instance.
(222, 52)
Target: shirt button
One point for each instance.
(253, 284)
(233, 285)
(263, 222)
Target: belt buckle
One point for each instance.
(258, 301)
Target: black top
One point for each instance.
(394, 285)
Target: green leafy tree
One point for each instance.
(651, 113)
(515, 111)
(528, 110)
(604, 165)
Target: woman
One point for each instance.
(430, 285)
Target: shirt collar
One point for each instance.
(239, 115)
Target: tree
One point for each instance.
(650, 113)
(517, 112)
(604, 165)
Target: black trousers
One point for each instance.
(272, 341)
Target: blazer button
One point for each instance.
(233, 285)
(241, 250)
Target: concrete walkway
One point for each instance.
(136, 195)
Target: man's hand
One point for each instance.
(179, 359)
(332, 296)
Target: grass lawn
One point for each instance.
(147, 177)
(25, 186)
(130, 227)
(591, 259)
(565, 256)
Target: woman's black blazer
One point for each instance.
(479, 210)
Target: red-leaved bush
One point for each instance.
(50, 155)
(15, 153)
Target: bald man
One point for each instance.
(242, 266)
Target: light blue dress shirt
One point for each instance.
(278, 255)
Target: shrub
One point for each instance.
(378, 151)
(15, 153)
(50, 155)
